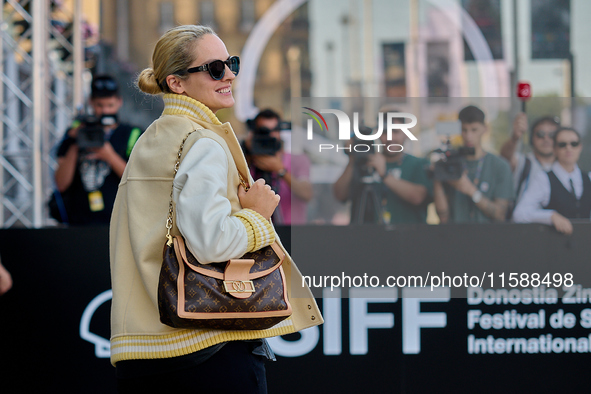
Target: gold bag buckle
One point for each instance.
(238, 286)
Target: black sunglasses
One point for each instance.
(542, 134)
(574, 144)
(217, 68)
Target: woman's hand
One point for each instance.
(260, 198)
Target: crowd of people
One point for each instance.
(544, 185)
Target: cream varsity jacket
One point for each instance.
(221, 229)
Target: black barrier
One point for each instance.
(54, 322)
(493, 256)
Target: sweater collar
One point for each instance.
(176, 104)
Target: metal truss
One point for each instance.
(40, 72)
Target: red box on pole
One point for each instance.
(523, 90)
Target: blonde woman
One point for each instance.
(217, 217)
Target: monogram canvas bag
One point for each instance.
(248, 293)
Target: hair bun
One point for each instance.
(147, 83)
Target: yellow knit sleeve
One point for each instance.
(258, 229)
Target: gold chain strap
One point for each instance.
(243, 182)
(176, 169)
(170, 211)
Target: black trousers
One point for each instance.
(233, 369)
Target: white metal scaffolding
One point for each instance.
(40, 70)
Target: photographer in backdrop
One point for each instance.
(389, 186)
(91, 159)
(526, 166)
(482, 192)
(287, 174)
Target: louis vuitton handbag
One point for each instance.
(248, 293)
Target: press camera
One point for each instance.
(448, 161)
(263, 143)
(92, 130)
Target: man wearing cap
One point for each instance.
(87, 178)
